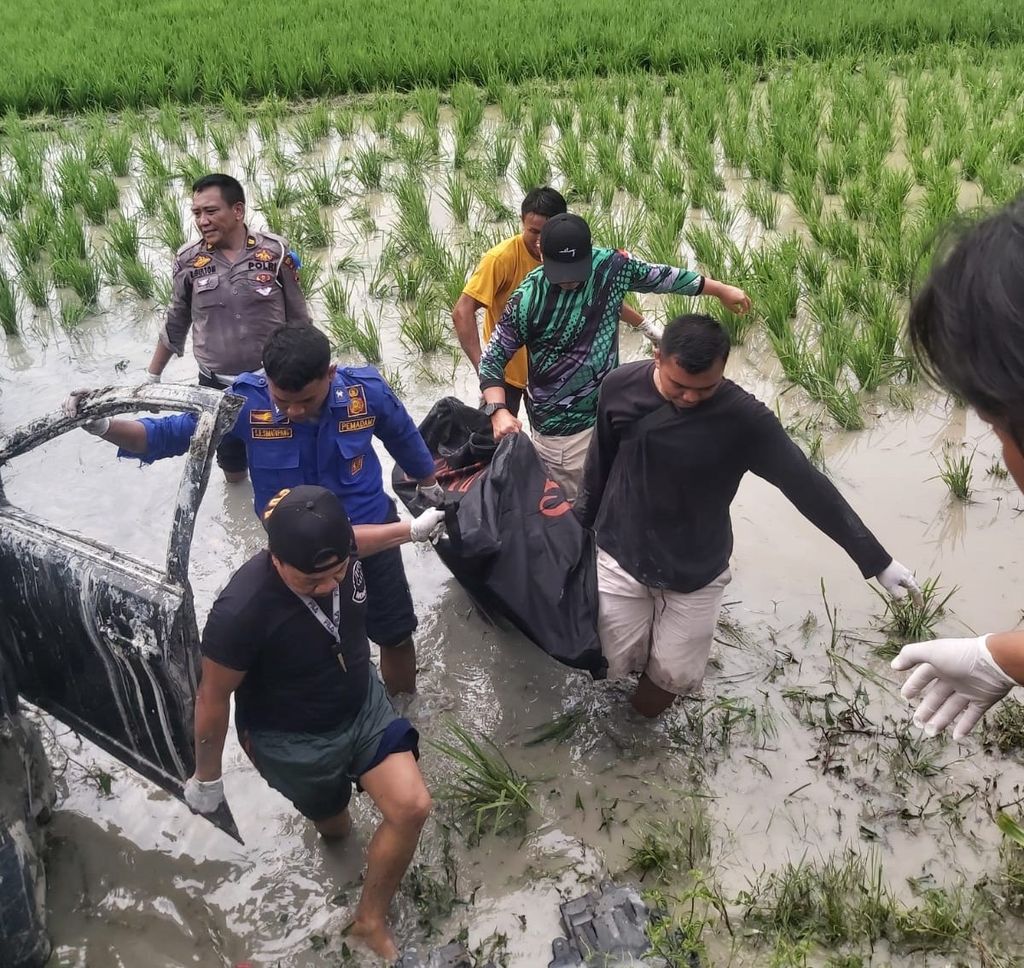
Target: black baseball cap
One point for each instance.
(567, 248)
(308, 528)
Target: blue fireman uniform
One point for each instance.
(336, 452)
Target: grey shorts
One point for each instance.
(316, 771)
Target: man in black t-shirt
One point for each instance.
(287, 636)
(673, 440)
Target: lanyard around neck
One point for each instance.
(332, 626)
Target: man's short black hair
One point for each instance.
(695, 342)
(967, 321)
(230, 188)
(544, 201)
(295, 356)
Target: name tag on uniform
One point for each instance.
(271, 433)
(348, 426)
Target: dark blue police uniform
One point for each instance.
(335, 452)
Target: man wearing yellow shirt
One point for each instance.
(498, 275)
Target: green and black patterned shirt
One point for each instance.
(572, 336)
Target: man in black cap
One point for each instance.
(566, 314)
(287, 637)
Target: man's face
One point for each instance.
(214, 218)
(685, 389)
(532, 224)
(304, 405)
(312, 584)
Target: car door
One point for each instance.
(105, 642)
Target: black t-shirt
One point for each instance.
(659, 481)
(293, 680)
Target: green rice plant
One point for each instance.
(336, 296)
(413, 212)
(123, 237)
(27, 152)
(101, 196)
(905, 621)
(458, 198)
(8, 306)
(310, 275)
(832, 169)
(415, 151)
(512, 105)
(669, 849)
(72, 312)
(82, 276)
(707, 249)
(573, 160)
(670, 177)
(721, 212)
(560, 729)
(427, 104)
(762, 204)
(1003, 727)
(837, 236)
(169, 124)
(539, 110)
(664, 228)
(344, 121)
(806, 197)
(500, 149)
(154, 165)
(34, 284)
(67, 239)
(312, 128)
(368, 167)
(237, 113)
(840, 899)
(347, 334)
(138, 277)
(608, 158)
(393, 378)
(998, 471)
(309, 227)
(28, 237)
(190, 168)
(320, 184)
(222, 140)
(532, 168)
(940, 920)
(14, 193)
(856, 200)
(73, 175)
(170, 228)
(956, 471)
(424, 328)
(119, 150)
(486, 788)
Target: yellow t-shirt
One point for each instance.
(495, 279)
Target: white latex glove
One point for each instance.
(651, 330)
(433, 494)
(429, 526)
(152, 377)
(897, 580)
(953, 678)
(204, 796)
(97, 426)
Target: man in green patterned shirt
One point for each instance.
(566, 314)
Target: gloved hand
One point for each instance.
(651, 330)
(152, 377)
(204, 796)
(429, 526)
(953, 677)
(897, 580)
(97, 426)
(433, 494)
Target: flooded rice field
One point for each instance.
(797, 759)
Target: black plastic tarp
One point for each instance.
(513, 541)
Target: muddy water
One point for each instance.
(136, 880)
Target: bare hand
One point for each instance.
(734, 299)
(503, 424)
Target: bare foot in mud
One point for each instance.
(375, 936)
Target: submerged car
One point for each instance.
(103, 641)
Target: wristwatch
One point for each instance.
(490, 409)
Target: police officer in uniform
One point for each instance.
(306, 421)
(233, 288)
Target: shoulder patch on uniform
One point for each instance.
(356, 400)
(250, 242)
